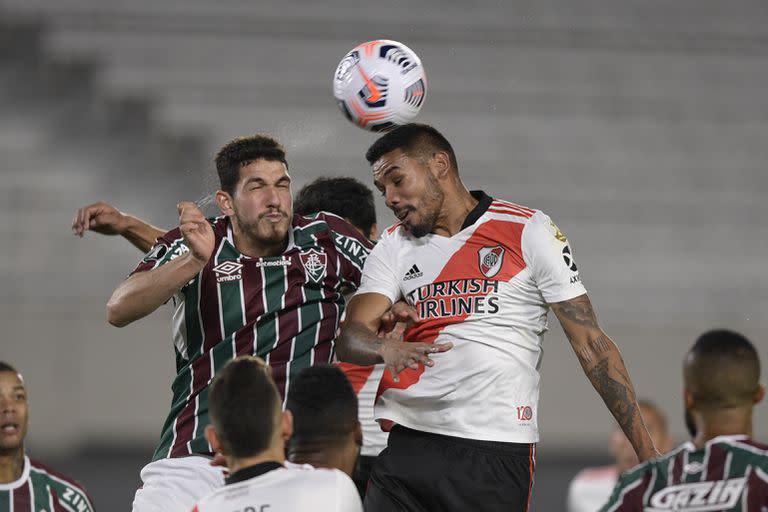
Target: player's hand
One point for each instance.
(399, 355)
(197, 232)
(100, 217)
(400, 312)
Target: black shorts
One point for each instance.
(423, 472)
(363, 473)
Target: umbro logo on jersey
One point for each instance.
(228, 271)
(698, 497)
(413, 273)
(491, 260)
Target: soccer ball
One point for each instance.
(380, 84)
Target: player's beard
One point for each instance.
(428, 210)
(264, 233)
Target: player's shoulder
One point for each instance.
(394, 233)
(330, 223)
(512, 212)
(745, 448)
(661, 463)
(53, 474)
(530, 219)
(74, 493)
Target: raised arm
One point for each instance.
(360, 344)
(144, 292)
(602, 363)
(105, 219)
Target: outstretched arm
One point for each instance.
(105, 219)
(144, 292)
(360, 344)
(602, 363)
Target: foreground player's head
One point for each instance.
(721, 375)
(656, 422)
(247, 423)
(415, 168)
(255, 189)
(326, 431)
(13, 411)
(342, 196)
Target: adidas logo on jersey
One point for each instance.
(698, 497)
(413, 273)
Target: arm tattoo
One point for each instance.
(616, 395)
(578, 311)
(597, 346)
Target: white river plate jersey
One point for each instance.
(486, 290)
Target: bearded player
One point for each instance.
(722, 468)
(462, 391)
(257, 280)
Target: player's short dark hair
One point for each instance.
(242, 151)
(244, 406)
(323, 404)
(414, 139)
(7, 367)
(343, 196)
(722, 370)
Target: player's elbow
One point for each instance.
(117, 311)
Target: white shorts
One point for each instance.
(175, 485)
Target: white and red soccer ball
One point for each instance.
(380, 84)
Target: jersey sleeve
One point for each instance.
(548, 253)
(347, 497)
(379, 274)
(167, 248)
(351, 246)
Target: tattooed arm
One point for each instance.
(603, 365)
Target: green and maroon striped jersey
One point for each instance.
(729, 474)
(40, 488)
(285, 309)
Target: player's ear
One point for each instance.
(441, 163)
(689, 400)
(373, 235)
(224, 200)
(286, 424)
(760, 394)
(213, 438)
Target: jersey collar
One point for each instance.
(252, 471)
(22, 479)
(483, 203)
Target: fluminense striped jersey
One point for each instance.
(285, 309)
(729, 474)
(41, 489)
(486, 289)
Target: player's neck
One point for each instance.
(729, 422)
(322, 458)
(456, 206)
(235, 464)
(11, 465)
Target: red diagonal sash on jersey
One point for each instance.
(462, 265)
